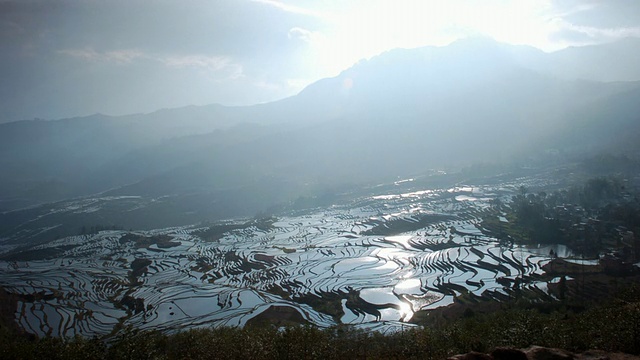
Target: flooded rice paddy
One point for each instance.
(372, 263)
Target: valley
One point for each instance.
(372, 262)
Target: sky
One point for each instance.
(66, 58)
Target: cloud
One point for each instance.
(289, 8)
(147, 57)
(593, 21)
(243, 52)
(565, 35)
(567, 8)
(211, 63)
(303, 34)
(222, 66)
(116, 56)
(580, 34)
(612, 33)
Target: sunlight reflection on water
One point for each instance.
(229, 281)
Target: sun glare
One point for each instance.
(364, 29)
(406, 311)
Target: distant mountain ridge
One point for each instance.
(402, 112)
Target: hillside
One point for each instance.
(400, 113)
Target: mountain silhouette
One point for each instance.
(400, 113)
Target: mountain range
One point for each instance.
(402, 113)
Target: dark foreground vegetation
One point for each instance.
(613, 326)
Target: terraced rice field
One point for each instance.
(372, 263)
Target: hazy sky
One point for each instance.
(78, 57)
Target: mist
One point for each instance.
(401, 114)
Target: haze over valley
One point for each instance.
(400, 114)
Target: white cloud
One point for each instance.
(571, 10)
(592, 21)
(304, 34)
(604, 33)
(289, 8)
